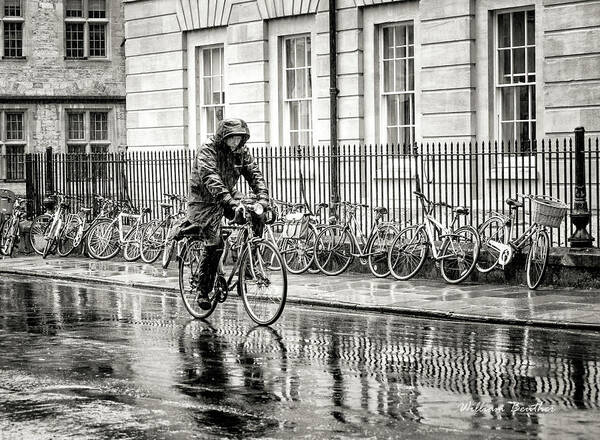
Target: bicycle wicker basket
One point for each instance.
(295, 225)
(548, 211)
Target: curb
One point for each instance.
(447, 316)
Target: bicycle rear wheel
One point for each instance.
(262, 283)
(378, 250)
(131, 251)
(537, 259)
(153, 241)
(103, 240)
(490, 230)
(66, 240)
(459, 254)
(189, 281)
(8, 235)
(407, 253)
(299, 253)
(37, 232)
(333, 249)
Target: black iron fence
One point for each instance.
(476, 175)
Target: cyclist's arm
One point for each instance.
(206, 162)
(254, 177)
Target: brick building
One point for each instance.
(62, 76)
(408, 70)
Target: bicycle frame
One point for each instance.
(360, 242)
(507, 248)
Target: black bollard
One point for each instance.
(580, 214)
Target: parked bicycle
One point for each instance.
(157, 237)
(338, 244)
(10, 232)
(59, 218)
(261, 284)
(106, 238)
(456, 255)
(498, 247)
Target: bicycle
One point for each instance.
(106, 238)
(255, 279)
(499, 247)
(338, 244)
(54, 230)
(10, 231)
(457, 254)
(157, 235)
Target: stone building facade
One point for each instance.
(62, 76)
(408, 70)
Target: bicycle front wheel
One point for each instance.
(262, 283)
(67, 237)
(103, 240)
(131, 251)
(333, 249)
(459, 253)
(378, 250)
(189, 281)
(407, 253)
(153, 241)
(537, 259)
(490, 230)
(37, 232)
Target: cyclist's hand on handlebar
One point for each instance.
(239, 216)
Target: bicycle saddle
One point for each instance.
(461, 210)
(146, 210)
(381, 210)
(514, 203)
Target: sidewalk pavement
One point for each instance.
(547, 306)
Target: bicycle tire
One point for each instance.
(151, 245)
(109, 246)
(313, 268)
(167, 254)
(338, 247)
(7, 237)
(187, 290)
(48, 247)
(535, 274)
(37, 232)
(378, 261)
(131, 250)
(298, 254)
(66, 239)
(256, 274)
(447, 268)
(408, 252)
(491, 229)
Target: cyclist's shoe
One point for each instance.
(204, 301)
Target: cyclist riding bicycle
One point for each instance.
(216, 170)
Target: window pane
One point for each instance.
(216, 62)
(522, 131)
(411, 74)
(305, 115)
(388, 76)
(294, 110)
(206, 59)
(518, 24)
(392, 135)
(507, 132)
(400, 85)
(98, 126)
(74, 8)
(294, 138)
(400, 35)
(207, 91)
(300, 84)
(523, 103)
(209, 114)
(504, 67)
(411, 37)
(14, 126)
(12, 8)
(290, 84)
(13, 39)
(519, 63)
(15, 162)
(406, 139)
(401, 52)
(404, 107)
(289, 53)
(504, 30)
(392, 109)
(388, 41)
(531, 60)
(97, 40)
(75, 126)
(532, 99)
(217, 91)
(308, 52)
(507, 97)
(300, 52)
(74, 40)
(530, 27)
(97, 8)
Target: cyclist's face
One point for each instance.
(233, 142)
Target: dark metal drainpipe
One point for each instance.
(333, 92)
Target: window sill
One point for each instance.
(91, 59)
(13, 180)
(21, 58)
(75, 59)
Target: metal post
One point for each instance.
(49, 171)
(29, 186)
(580, 214)
(333, 92)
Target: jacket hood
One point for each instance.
(231, 127)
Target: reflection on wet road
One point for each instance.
(95, 362)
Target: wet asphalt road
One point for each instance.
(96, 362)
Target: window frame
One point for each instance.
(525, 146)
(87, 21)
(17, 19)
(309, 98)
(382, 94)
(5, 144)
(202, 106)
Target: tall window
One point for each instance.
(297, 90)
(397, 85)
(12, 28)
(86, 24)
(87, 132)
(515, 78)
(212, 99)
(13, 145)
